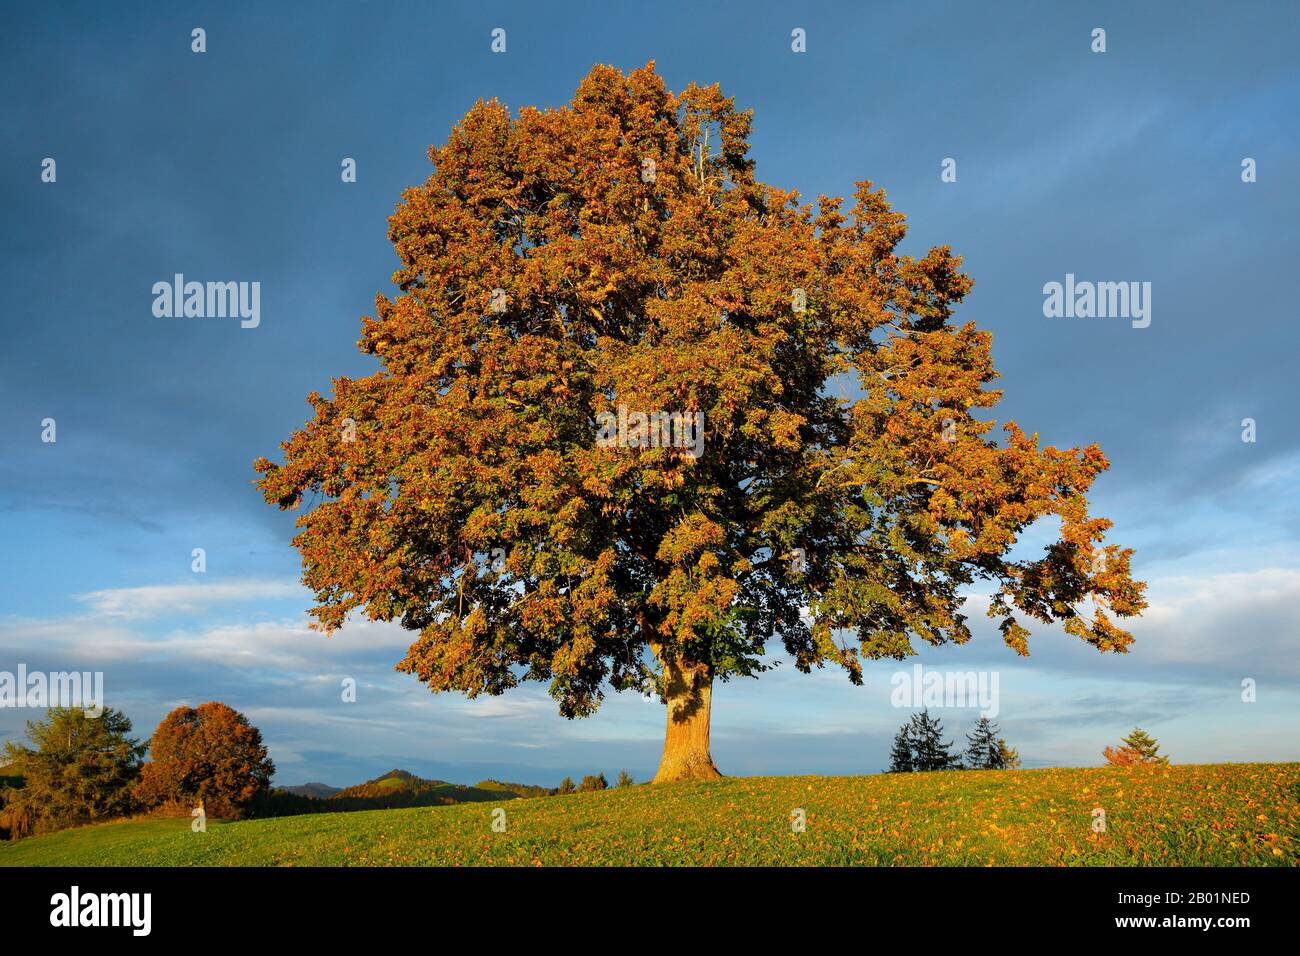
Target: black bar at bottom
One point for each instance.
(335, 906)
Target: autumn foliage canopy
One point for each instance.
(208, 754)
(461, 490)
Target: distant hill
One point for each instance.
(522, 789)
(397, 788)
(401, 788)
(318, 790)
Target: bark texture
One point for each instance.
(688, 690)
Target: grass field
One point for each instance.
(1226, 814)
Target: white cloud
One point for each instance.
(1228, 621)
(280, 645)
(158, 599)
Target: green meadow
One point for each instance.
(1222, 814)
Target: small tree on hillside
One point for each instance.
(1144, 745)
(1137, 748)
(1010, 756)
(209, 754)
(929, 751)
(920, 746)
(81, 770)
(625, 779)
(593, 781)
(984, 751)
(900, 756)
(566, 786)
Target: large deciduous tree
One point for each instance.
(208, 754)
(618, 257)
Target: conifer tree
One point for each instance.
(81, 770)
(983, 749)
(900, 757)
(1144, 745)
(929, 751)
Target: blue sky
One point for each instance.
(1115, 166)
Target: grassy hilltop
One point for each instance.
(1219, 814)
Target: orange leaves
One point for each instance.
(689, 538)
(544, 281)
(210, 755)
(1015, 636)
(1122, 757)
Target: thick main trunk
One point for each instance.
(688, 690)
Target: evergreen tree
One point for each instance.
(1144, 745)
(82, 769)
(919, 745)
(929, 751)
(900, 757)
(983, 749)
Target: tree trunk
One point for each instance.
(688, 690)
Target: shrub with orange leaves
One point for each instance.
(1122, 756)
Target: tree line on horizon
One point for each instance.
(82, 770)
(919, 747)
(89, 769)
